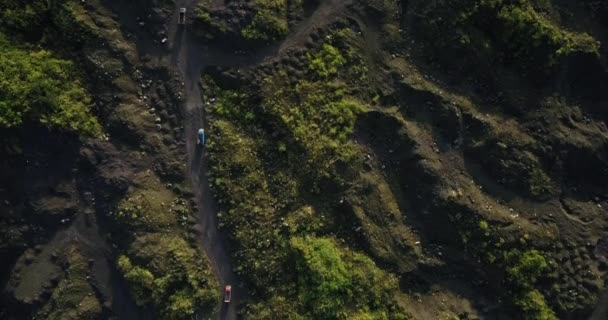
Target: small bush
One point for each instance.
(269, 22)
(534, 307)
(141, 280)
(524, 269)
(326, 62)
(265, 26)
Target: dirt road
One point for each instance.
(188, 56)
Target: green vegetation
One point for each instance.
(74, 298)
(487, 28)
(337, 283)
(72, 20)
(285, 158)
(327, 62)
(38, 87)
(209, 25)
(516, 167)
(521, 269)
(46, 21)
(527, 33)
(151, 207)
(534, 307)
(25, 16)
(269, 22)
(202, 12)
(318, 116)
(163, 270)
(524, 268)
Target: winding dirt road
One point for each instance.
(188, 56)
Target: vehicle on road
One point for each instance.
(181, 18)
(201, 137)
(227, 293)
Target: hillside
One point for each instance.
(379, 159)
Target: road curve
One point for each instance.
(187, 55)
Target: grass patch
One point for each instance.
(151, 207)
(337, 283)
(73, 298)
(164, 271)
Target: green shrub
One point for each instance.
(141, 280)
(326, 282)
(269, 22)
(521, 269)
(202, 12)
(23, 16)
(326, 62)
(265, 26)
(318, 118)
(36, 86)
(528, 34)
(337, 283)
(71, 19)
(534, 307)
(524, 269)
